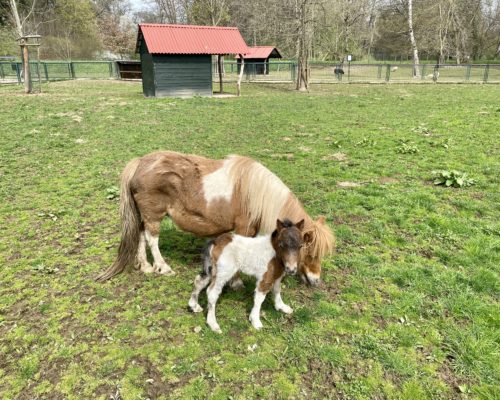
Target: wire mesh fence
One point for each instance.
(286, 72)
(12, 72)
(279, 72)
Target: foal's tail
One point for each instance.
(131, 223)
(207, 258)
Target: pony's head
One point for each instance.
(287, 242)
(318, 242)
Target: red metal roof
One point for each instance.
(262, 52)
(191, 39)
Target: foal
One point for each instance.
(266, 257)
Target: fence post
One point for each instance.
(293, 71)
(72, 70)
(467, 73)
(388, 73)
(2, 75)
(110, 65)
(45, 69)
(422, 75)
(486, 73)
(18, 73)
(379, 71)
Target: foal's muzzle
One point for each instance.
(291, 270)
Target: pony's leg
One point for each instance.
(142, 259)
(200, 283)
(278, 301)
(257, 303)
(152, 235)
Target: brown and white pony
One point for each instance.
(266, 257)
(207, 197)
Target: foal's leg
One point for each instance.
(223, 275)
(142, 259)
(257, 303)
(200, 282)
(152, 235)
(278, 302)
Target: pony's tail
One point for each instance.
(131, 224)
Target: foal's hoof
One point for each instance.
(236, 284)
(196, 308)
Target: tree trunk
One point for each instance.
(240, 76)
(303, 70)
(414, 48)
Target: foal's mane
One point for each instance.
(264, 197)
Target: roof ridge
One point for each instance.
(189, 26)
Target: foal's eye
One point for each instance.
(281, 245)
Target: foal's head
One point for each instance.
(287, 241)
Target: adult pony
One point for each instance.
(207, 197)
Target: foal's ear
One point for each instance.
(279, 224)
(300, 225)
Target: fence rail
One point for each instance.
(279, 72)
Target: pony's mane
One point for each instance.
(263, 194)
(322, 239)
(264, 197)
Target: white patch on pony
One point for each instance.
(218, 184)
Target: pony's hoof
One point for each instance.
(216, 329)
(146, 268)
(163, 269)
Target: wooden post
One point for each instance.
(26, 67)
(240, 76)
(219, 67)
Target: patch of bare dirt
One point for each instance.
(335, 157)
(154, 383)
(386, 180)
(347, 184)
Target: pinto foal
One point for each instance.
(266, 257)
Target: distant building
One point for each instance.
(258, 59)
(176, 60)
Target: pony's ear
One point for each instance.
(300, 225)
(321, 220)
(279, 224)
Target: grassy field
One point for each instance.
(408, 307)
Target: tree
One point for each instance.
(413, 42)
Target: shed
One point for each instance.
(129, 69)
(176, 60)
(258, 59)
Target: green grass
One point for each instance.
(408, 307)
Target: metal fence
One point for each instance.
(11, 72)
(363, 73)
(279, 72)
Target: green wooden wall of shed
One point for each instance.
(148, 75)
(182, 75)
